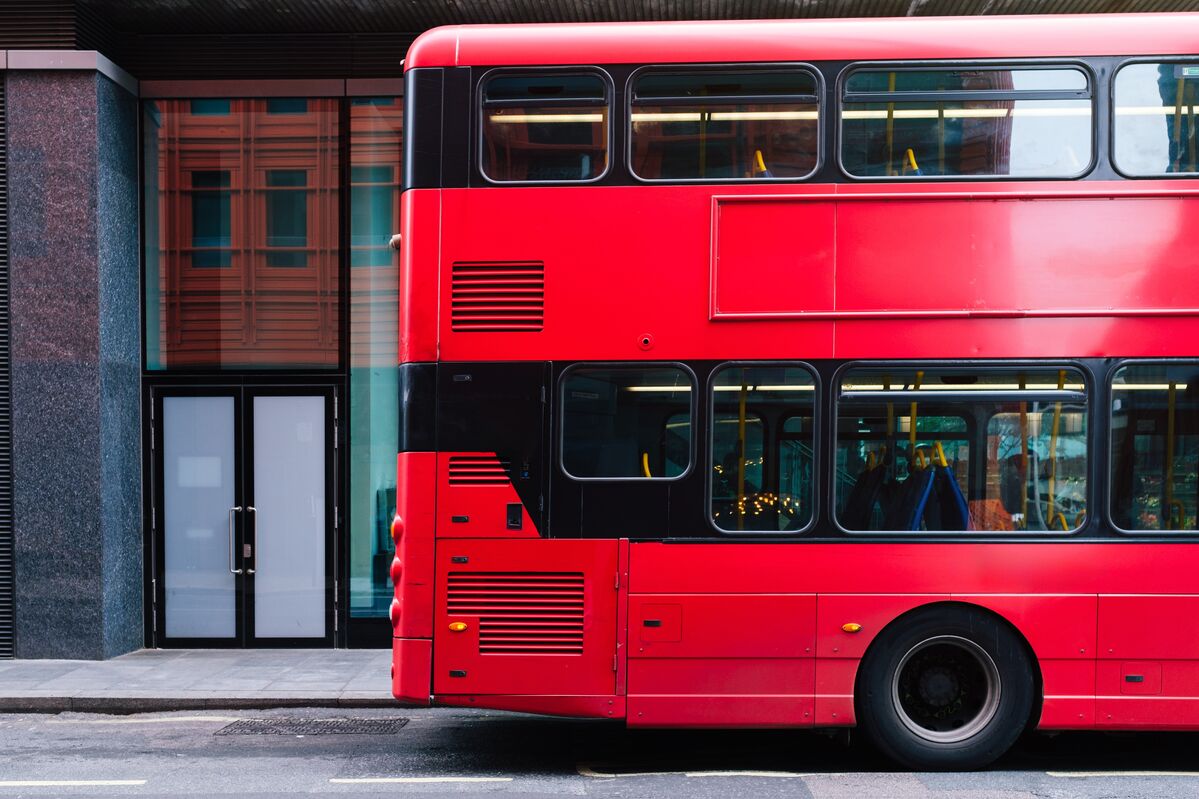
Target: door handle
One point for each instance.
(233, 510)
(253, 548)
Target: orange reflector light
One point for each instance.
(457, 626)
(851, 627)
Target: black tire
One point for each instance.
(946, 688)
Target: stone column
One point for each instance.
(74, 253)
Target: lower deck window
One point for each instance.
(1155, 447)
(941, 450)
(762, 448)
(626, 422)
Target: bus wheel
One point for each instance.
(947, 688)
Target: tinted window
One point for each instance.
(959, 122)
(947, 449)
(725, 125)
(1155, 447)
(210, 201)
(545, 128)
(626, 422)
(762, 448)
(1154, 129)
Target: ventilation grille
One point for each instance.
(497, 297)
(522, 613)
(471, 471)
(7, 576)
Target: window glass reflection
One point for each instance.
(1155, 130)
(981, 122)
(762, 448)
(242, 248)
(376, 144)
(1001, 450)
(1155, 447)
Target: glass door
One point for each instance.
(244, 515)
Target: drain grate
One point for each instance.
(294, 726)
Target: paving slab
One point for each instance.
(198, 679)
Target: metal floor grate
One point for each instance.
(294, 726)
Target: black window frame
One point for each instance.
(818, 100)
(559, 407)
(1091, 94)
(481, 104)
(1091, 399)
(768, 440)
(1110, 451)
(1111, 121)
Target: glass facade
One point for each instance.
(376, 144)
(265, 220)
(242, 245)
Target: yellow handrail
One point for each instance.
(1057, 419)
(645, 464)
(1171, 405)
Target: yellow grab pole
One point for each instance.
(741, 452)
(912, 418)
(1057, 418)
(1168, 516)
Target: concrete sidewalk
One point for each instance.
(191, 679)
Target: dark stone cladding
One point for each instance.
(75, 365)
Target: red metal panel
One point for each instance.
(1013, 255)
(1004, 276)
(720, 711)
(756, 263)
(1043, 568)
(806, 40)
(1068, 694)
(718, 625)
(420, 210)
(622, 618)
(412, 670)
(474, 492)
(1149, 627)
(833, 705)
(748, 676)
(1057, 627)
(872, 611)
(412, 531)
(540, 617)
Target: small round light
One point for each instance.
(851, 627)
(457, 626)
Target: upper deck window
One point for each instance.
(545, 127)
(726, 125)
(1154, 129)
(1030, 122)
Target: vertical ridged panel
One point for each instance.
(6, 519)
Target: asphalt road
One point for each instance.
(455, 753)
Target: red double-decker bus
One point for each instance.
(804, 374)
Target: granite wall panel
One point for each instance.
(75, 363)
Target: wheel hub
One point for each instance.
(938, 686)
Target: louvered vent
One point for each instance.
(471, 471)
(522, 613)
(497, 297)
(7, 614)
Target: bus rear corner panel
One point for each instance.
(522, 621)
